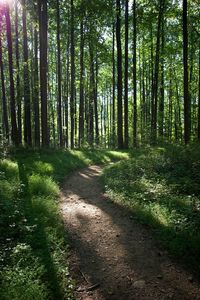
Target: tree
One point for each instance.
(199, 98)
(119, 77)
(18, 87)
(126, 76)
(134, 76)
(156, 75)
(72, 99)
(187, 106)
(36, 85)
(14, 129)
(27, 107)
(114, 86)
(43, 29)
(4, 101)
(81, 106)
(59, 76)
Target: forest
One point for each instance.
(99, 128)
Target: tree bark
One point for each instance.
(156, 76)
(114, 86)
(81, 106)
(134, 76)
(96, 102)
(199, 99)
(60, 130)
(72, 99)
(187, 107)
(27, 97)
(162, 89)
(91, 97)
(119, 77)
(43, 22)
(36, 88)
(14, 129)
(4, 101)
(18, 92)
(126, 77)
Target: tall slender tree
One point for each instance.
(198, 128)
(36, 84)
(59, 76)
(18, 87)
(72, 99)
(114, 87)
(14, 129)
(119, 77)
(96, 100)
(4, 100)
(156, 75)
(126, 75)
(134, 75)
(27, 96)
(43, 29)
(187, 106)
(81, 106)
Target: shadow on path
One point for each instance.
(109, 248)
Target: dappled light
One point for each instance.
(153, 190)
(31, 232)
(99, 150)
(111, 249)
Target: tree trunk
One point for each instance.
(199, 99)
(67, 95)
(156, 76)
(96, 103)
(91, 97)
(14, 130)
(81, 106)
(126, 77)
(72, 99)
(36, 90)
(27, 97)
(43, 22)
(162, 89)
(119, 77)
(18, 94)
(134, 76)
(4, 102)
(186, 87)
(114, 85)
(60, 130)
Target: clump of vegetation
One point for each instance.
(162, 188)
(34, 249)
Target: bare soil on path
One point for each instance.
(112, 256)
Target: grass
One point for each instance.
(161, 186)
(34, 249)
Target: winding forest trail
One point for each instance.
(112, 256)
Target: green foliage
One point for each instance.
(42, 185)
(33, 253)
(161, 186)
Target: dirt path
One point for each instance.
(113, 257)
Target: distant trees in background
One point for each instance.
(109, 73)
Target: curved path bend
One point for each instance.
(112, 256)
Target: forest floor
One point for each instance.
(112, 255)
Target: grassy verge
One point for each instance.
(33, 252)
(161, 186)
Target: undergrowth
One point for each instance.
(161, 186)
(34, 249)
